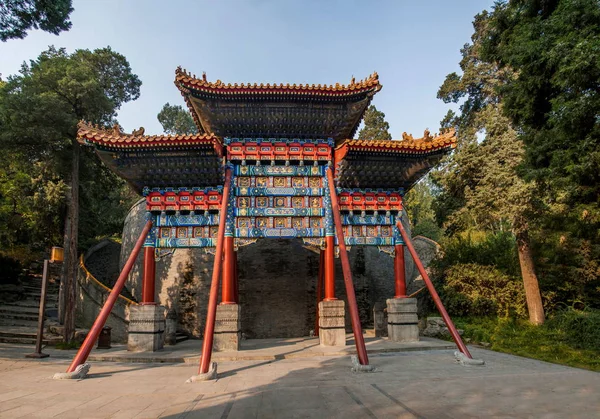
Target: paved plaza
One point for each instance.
(412, 384)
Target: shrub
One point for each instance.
(479, 290)
(10, 270)
(581, 327)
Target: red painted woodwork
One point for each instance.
(184, 201)
(295, 151)
(309, 152)
(149, 276)
(330, 268)
(280, 151)
(200, 201)
(358, 201)
(155, 202)
(359, 340)
(370, 201)
(211, 314)
(171, 202)
(92, 336)
(436, 298)
(228, 286)
(323, 152)
(251, 152)
(399, 272)
(213, 200)
(345, 201)
(266, 151)
(235, 151)
(395, 202)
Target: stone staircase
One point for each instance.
(19, 319)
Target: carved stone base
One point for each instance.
(332, 325)
(146, 328)
(228, 328)
(402, 320)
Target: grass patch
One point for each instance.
(68, 345)
(569, 338)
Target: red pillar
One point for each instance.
(399, 275)
(90, 339)
(149, 277)
(236, 288)
(359, 339)
(211, 313)
(319, 288)
(228, 287)
(436, 298)
(330, 268)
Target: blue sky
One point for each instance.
(411, 44)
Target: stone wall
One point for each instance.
(277, 282)
(103, 261)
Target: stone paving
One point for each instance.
(415, 384)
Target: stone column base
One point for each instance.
(228, 328)
(402, 320)
(146, 328)
(380, 321)
(332, 325)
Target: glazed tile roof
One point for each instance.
(407, 145)
(115, 138)
(184, 79)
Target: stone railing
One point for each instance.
(92, 294)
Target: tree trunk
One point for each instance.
(71, 262)
(530, 281)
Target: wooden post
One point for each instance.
(359, 339)
(148, 286)
(436, 298)
(41, 314)
(319, 288)
(209, 328)
(399, 273)
(94, 332)
(228, 286)
(330, 268)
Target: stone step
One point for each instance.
(6, 322)
(181, 337)
(18, 310)
(21, 340)
(18, 316)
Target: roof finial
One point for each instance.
(204, 76)
(352, 81)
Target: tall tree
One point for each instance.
(176, 120)
(554, 46)
(19, 16)
(376, 127)
(40, 110)
(484, 171)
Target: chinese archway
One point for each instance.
(268, 161)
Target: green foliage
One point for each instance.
(19, 16)
(176, 120)
(482, 248)
(39, 111)
(570, 337)
(480, 290)
(555, 48)
(376, 127)
(418, 203)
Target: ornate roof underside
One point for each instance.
(278, 111)
(158, 160)
(389, 164)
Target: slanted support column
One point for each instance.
(211, 314)
(399, 272)
(330, 268)
(149, 276)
